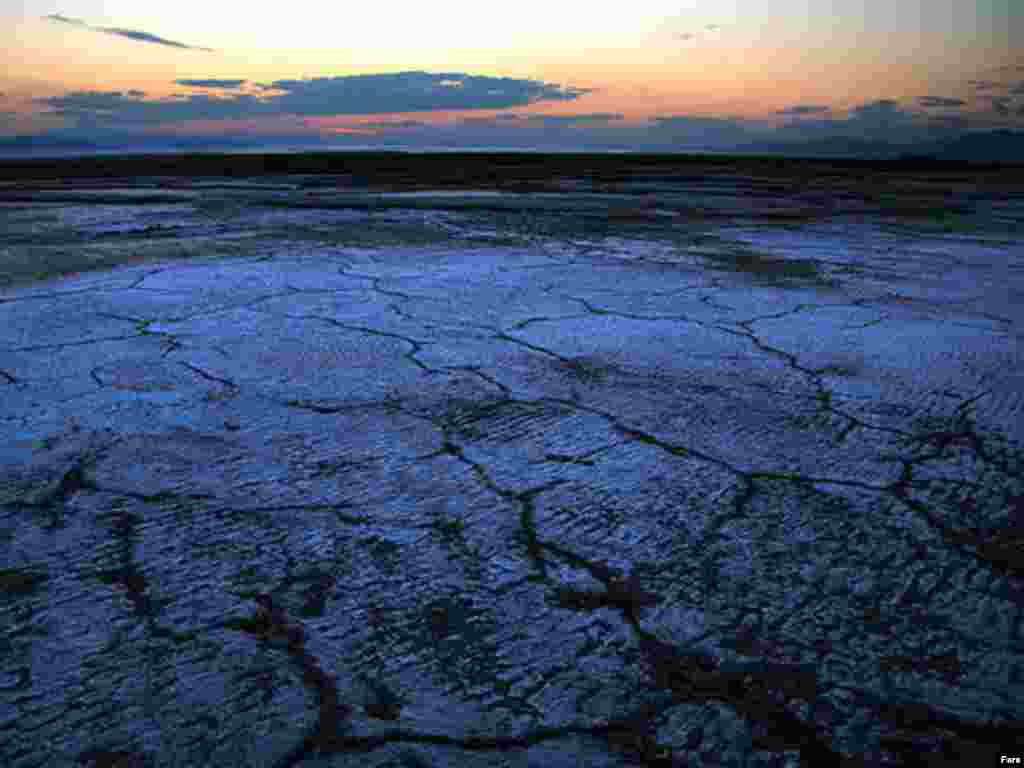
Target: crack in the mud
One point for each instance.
(772, 695)
(77, 343)
(271, 625)
(232, 386)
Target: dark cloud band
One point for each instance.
(592, 117)
(805, 109)
(503, 118)
(323, 96)
(940, 102)
(395, 125)
(131, 34)
(212, 83)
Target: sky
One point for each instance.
(683, 74)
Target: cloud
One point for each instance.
(8, 122)
(394, 124)
(499, 112)
(940, 101)
(882, 119)
(116, 107)
(343, 95)
(593, 117)
(131, 34)
(945, 124)
(689, 129)
(523, 124)
(212, 83)
(146, 37)
(66, 20)
(500, 119)
(480, 121)
(804, 109)
(710, 29)
(413, 92)
(881, 108)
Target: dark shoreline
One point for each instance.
(485, 170)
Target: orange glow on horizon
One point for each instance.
(635, 65)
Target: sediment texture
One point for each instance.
(739, 497)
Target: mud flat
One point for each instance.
(297, 471)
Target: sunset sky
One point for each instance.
(677, 74)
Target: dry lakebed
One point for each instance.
(621, 464)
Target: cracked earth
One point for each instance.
(670, 494)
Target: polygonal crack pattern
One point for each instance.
(534, 506)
